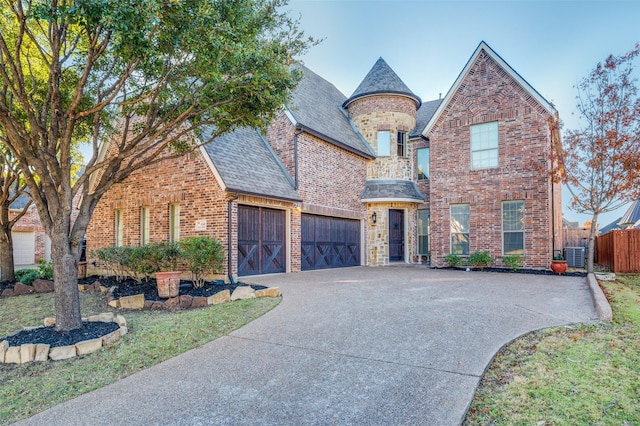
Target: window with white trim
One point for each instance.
(384, 143)
(460, 229)
(119, 227)
(484, 145)
(423, 163)
(513, 227)
(144, 225)
(423, 231)
(174, 223)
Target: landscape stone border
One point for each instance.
(138, 301)
(29, 352)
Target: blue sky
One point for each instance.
(551, 44)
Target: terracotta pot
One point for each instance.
(168, 284)
(559, 266)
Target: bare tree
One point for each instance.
(601, 160)
(145, 75)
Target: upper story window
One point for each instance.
(402, 144)
(384, 143)
(422, 158)
(484, 145)
(119, 228)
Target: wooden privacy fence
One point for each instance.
(619, 250)
(575, 237)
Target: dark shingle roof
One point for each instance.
(381, 79)
(632, 215)
(247, 165)
(316, 107)
(391, 189)
(423, 115)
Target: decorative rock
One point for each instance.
(43, 286)
(221, 297)
(115, 303)
(172, 303)
(49, 321)
(119, 319)
(27, 353)
(199, 302)
(243, 292)
(104, 290)
(88, 346)
(148, 304)
(62, 352)
(132, 302)
(4, 345)
(269, 292)
(42, 352)
(12, 356)
(123, 330)
(111, 338)
(19, 289)
(185, 301)
(83, 287)
(7, 292)
(156, 306)
(103, 317)
(606, 277)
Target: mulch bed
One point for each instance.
(519, 271)
(130, 287)
(49, 336)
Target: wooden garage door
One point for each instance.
(329, 242)
(24, 248)
(261, 234)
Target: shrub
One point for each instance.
(163, 256)
(480, 259)
(201, 255)
(45, 269)
(113, 259)
(453, 260)
(512, 261)
(27, 276)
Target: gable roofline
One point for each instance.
(505, 66)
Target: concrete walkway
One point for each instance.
(360, 346)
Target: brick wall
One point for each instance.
(489, 94)
(187, 181)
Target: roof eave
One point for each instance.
(334, 141)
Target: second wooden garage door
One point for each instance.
(329, 242)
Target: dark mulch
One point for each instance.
(49, 336)
(519, 271)
(130, 287)
(6, 284)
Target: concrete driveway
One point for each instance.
(362, 346)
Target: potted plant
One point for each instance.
(164, 256)
(558, 264)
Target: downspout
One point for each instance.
(295, 157)
(232, 280)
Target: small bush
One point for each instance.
(480, 259)
(114, 260)
(201, 256)
(453, 260)
(163, 256)
(512, 261)
(45, 269)
(27, 276)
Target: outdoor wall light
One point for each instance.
(374, 217)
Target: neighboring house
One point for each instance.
(30, 243)
(376, 178)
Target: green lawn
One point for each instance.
(578, 375)
(154, 337)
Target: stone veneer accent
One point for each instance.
(39, 352)
(378, 234)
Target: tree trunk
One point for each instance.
(65, 276)
(592, 243)
(7, 268)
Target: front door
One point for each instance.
(396, 235)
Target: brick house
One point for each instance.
(376, 178)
